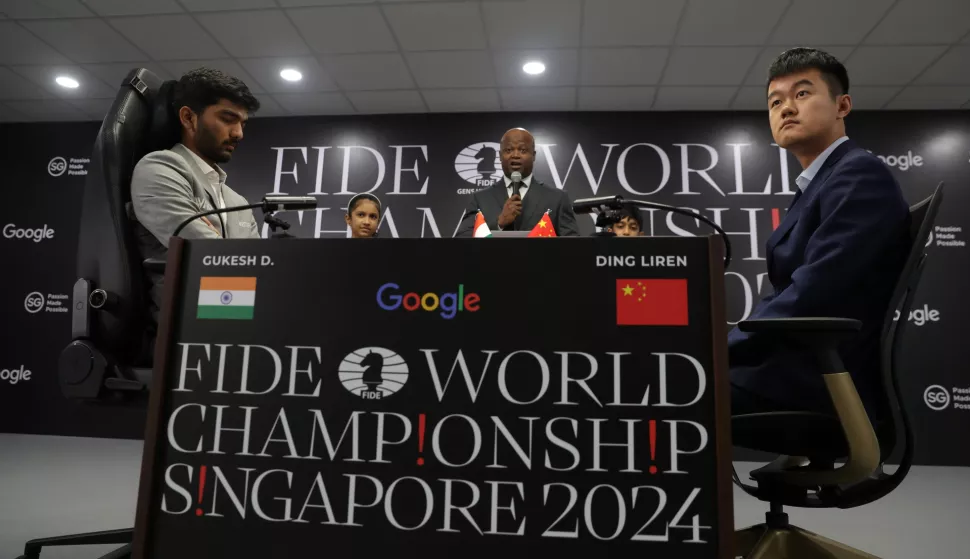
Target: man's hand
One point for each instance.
(511, 211)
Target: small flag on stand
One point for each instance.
(481, 228)
(544, 228)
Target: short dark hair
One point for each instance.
(800, 59)
(631, 211)
(203, 87)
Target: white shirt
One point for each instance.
(523, 188)
(804, 179)
(217, 177)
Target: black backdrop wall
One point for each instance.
(424, 166)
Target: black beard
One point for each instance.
(209, 146)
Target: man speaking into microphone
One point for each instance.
(519, 200)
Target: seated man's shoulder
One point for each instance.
(871, 178)
(861, 160)
(160, 162)
(164, 157)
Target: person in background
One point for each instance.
(171, 185)
(629, 224)
(363, 216)
(838, 252)
(506, 208)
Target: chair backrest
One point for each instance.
(139, 121)
(922, 216)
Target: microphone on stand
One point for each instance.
(516, 178)
(269, 204)
(604, 205)
(285, 203)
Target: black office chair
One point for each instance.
(110, 325)
(810, 445)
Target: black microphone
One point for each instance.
(284, 203)
(602, 204)
(597, 205)
(269, 204)
(516, 178)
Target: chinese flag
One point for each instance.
(544, 227)
(651, 302)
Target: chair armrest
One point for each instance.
(820, 334)
(154, 265)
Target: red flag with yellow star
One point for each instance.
(544, 228)
(651, 302)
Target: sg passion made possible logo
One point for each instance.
(391, 297)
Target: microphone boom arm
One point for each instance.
(598, 205)
(270, 203)
(681, 211)
(212, 212)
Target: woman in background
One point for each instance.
(363, 216)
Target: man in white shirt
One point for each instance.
(170, 186)
(509, 206)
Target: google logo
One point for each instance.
(389, 298)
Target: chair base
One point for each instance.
(790, 542)
(33, 548)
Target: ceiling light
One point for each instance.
(67, 82)
(291, 75)
(534, 68)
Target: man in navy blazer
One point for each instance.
(838, 252)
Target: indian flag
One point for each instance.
(481, 228)
(231, 298)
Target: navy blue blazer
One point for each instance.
(838, 252)
(537, 200)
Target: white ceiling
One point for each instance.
(404, 56)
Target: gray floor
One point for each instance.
(62, 485)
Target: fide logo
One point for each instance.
(936, 397)
(479, 164)
(57, 166)
(373, 373)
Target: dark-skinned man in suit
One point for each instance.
(506, 209)
(838, 252)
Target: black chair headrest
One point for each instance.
(164, 131)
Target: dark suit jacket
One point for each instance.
(538, 199)
(838, 252)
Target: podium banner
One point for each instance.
(413, 399)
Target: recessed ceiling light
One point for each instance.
(291, 75)
(534, 68)
(67, 82)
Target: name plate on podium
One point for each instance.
(456, 397)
